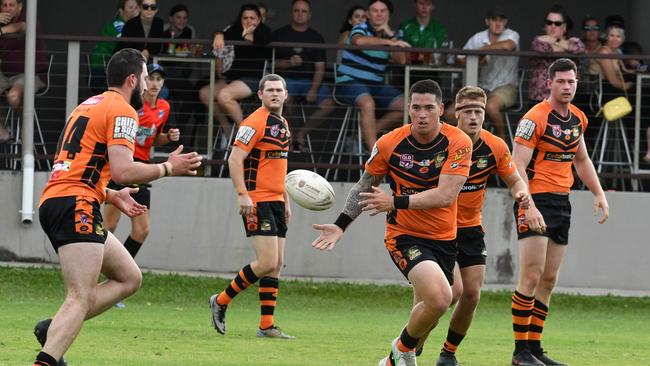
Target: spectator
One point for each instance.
(126, 10)
(422, 31)
(356, 15)
(248, 66)
(591, 34)
(554, 39)
(498, 74)
(147, 25)
(360, 79)
(264, 10)
(12, 55)
(303, 69)
(633, 64)
(612, 70)
(178, 80)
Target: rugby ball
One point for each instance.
(309, 190)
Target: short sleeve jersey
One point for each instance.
(151, 121)
(412, 167)
(81, 166)
(490, 155)
(554, 140)
(266, 138)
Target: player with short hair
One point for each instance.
(426, 163)
(151, 122)
(490, 155)
(96, 145)
(258, 166)
(549, 141)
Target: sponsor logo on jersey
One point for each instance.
(472, 187)
(277, 154)
(245, 134)
(525, 129)
(482, 162)
(125, 128)
(440, 158)
(93, 100)
(406, 161)
(265, 225)
(559, 156)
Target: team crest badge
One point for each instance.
(557, 131)
(439, 159)
(161, 113)
(413, 252)
(481, 162)
(275, 130)
(99, 229)
(265, 226)
(576, 131)
(406, 161)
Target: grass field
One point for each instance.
(168, 323)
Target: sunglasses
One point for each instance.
(591, 28)
(149, 6)
(550, 22)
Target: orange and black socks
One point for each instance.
(406, 343)
(132, 246)
(43, 359)
(522, 309)
(540, 311)
(452, 341)
(268, 291)
(244, 278)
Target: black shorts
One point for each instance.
(72, 219)
(411, 250)
(142, 196)
(267, 219)
(471, 246)
(556, 210)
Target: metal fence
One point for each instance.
(334, 146)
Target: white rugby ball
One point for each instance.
(309, 190)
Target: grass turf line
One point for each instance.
(168, 323)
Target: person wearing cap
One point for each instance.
(498, 74)
(151, 122)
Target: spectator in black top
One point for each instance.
(248, 66)
(147, 25)
(303, 68)
(178, 73)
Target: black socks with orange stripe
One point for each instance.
(522, 309)
(244, 278)
(132, 246)
(540, 311)
(268, 292)
(452, 341)
(43, 359)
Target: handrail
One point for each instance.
(455, 51)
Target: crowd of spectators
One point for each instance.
(360, 74)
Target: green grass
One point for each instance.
(168, 323)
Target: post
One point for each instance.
(72, 80)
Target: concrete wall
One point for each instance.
(195, 227)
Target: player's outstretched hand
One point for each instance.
(184, 164)
(376, 201)
(600, 204)
(123, 200)
(329, 235)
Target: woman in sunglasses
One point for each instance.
(554, 39)
(147, 25)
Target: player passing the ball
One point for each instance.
(426, 163)
(548, 141)
(258, 167)
(97, 144)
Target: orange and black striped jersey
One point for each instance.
(490, 155)
(412, 167)
(554, 140)
(81, 166)
(266, 138)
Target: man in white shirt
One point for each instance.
(497, 74)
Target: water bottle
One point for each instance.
(436, 56)
(451, 58)
(172, 46)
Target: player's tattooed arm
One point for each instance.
(367, 180)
